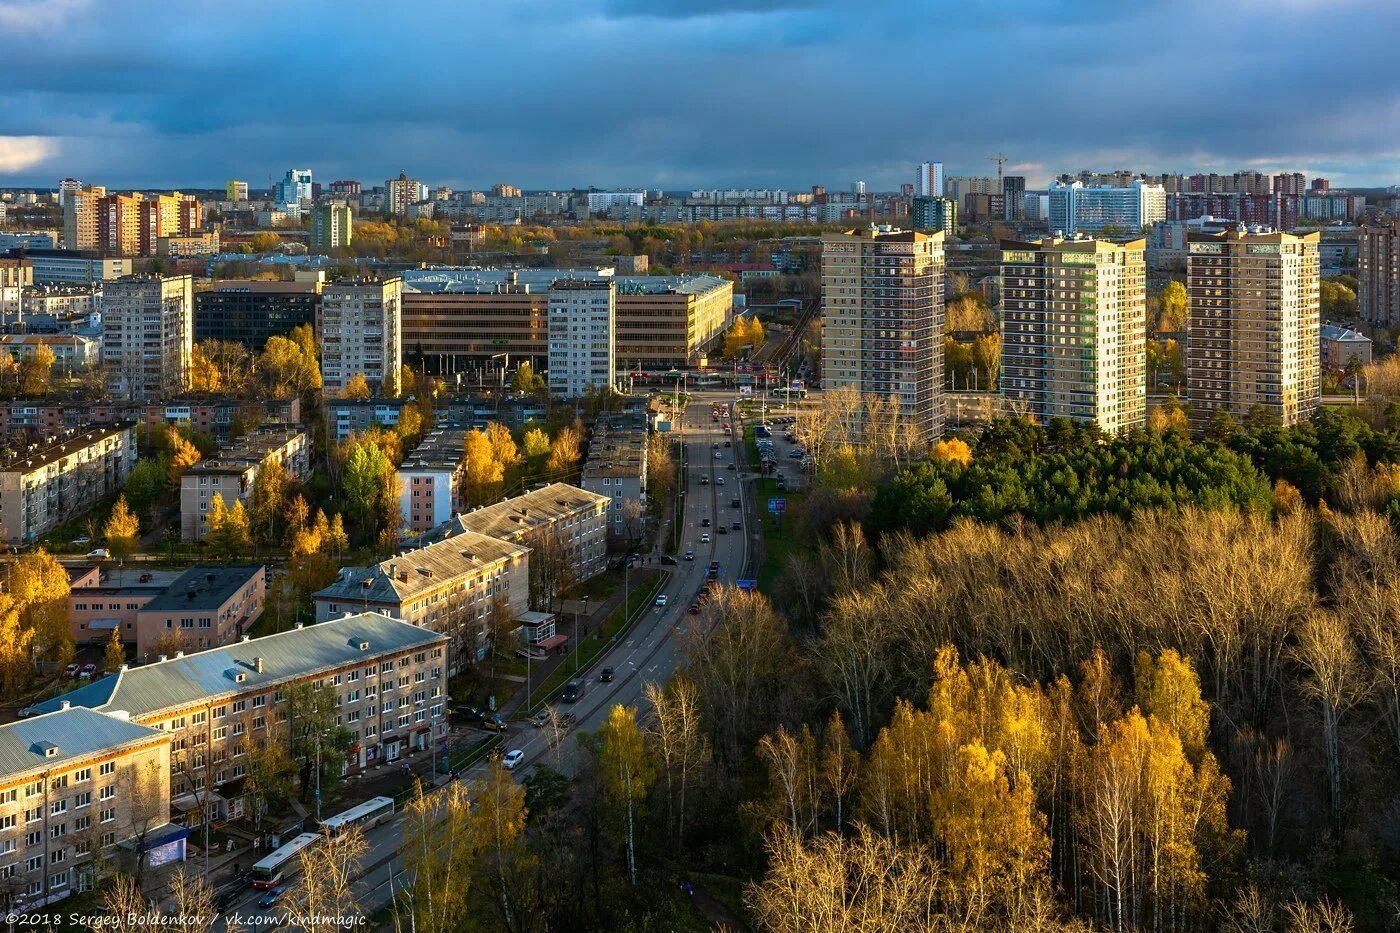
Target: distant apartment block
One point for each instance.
(1378, 273)
(187, 245)
(235, 191)
(72, 353)
(348, 416)
(147, 334)
(294, 188)
(332, 226)
(883, 320)
(431, 477)
(931, 214)
(360, 332)
(233, 471)
(1074, 331)
(249, 312)
(16, 275)
(80, 210)
(1075, 207)
(928, 180)
(45, 484)
(582, 317)
(574, 517)
(1254, 322)
(72, 267)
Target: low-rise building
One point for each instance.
(44, 484)
(616, 468)
(183, 245)
(76, 786)
(106, 599)
(202, 608)
(346, 416)
(574, 517)
(431, 479)
(218, 417)
(73, 266)
(388, 678)
(1340, 345)
(72, 353)
(232, 473)
(450, 586)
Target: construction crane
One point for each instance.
(1000, 160)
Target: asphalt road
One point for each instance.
(650, 652)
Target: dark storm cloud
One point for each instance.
(678, 93)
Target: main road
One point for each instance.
(715, 480)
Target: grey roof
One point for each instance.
(72, 733)
(1339, 332)
(401, 579)
(180, 681)
(204, 588)
(512, 519)
(670, 284)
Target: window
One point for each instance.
(57, 807)
(108, 767)
(83, 775)
(35, 838)
(58, 831)
(240, 706)
(35, 863)
(8, 822)
(35, 814)
(82, 800)
(107, 816)
(259, 701)
(34, 789)
(108, 792)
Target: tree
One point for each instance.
(366, 484)
(502, 445)
(114, 656)
(315, 736)
(682, 746)
(1326, 650)
(264, 241)
(269, 499)
(183, 454)
(228, 536)
(485, 473)
(269, 778)
(15, 641)
(325, 887)
(442, 843)
(36, 370)
(1174, 311)
(192, 901)
(143, 786)
(527, 380)
(535, 447)
(143, 484)
(628, 771)
(122, 531)
(39, 585)
(357, 387)
(565, 450)
(289, 366)
(952, 450)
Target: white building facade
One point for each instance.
(582, 349)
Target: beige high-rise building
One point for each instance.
(1378, 273)
(147, 334)
(1252, 338)
(883, 321)
(80, 208)
(1073, 334)
(361, 327)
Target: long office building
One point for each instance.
(250, 312)
(147, 334)
(1252, 338)
(1074, 332)
(1075, 207)
(72, 266)
(1378, 273)
(883, 320)
(45, 484)
(472, 320)
(361, 332)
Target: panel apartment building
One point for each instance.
(360, 332)
(43, 485)
(431, 477)
(883, 320)
(1074, 331)
(147, 335)
(616, 469)
(574, 517)
(1252, 336)
(233, 471)
(389, 679)
(1378, 272)
(582, 322)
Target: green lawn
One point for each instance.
(613, 628)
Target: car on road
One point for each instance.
(272, 897)
(101, 553)
(690, 555)
(226, 898)
(540, 719)
(512, 759)
(722, 530)
(667, 560)
(573, 691)
(719, 455)
(695, 609)
(661, 599)
(719, 480)
(737, 526)
(714, 565)
(705, 538)
(728, 444)
(494, 724)
(606, 676)
(568, 721)
(731, 469)
(735, 504)
(704, 523)
(704, 480)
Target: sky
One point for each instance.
(678, 94)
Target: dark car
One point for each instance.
(272, 897)
(704, 523)
(667, 560)
(722, 530)
(606, 676)
(737, 526)
(731, 468)
(469, 713)
(226, 898)
(695, 609)
(735, 504)
(573, 691)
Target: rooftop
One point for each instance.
(401, 579)
(69, 442)
(286, 656)
(441, 451)
(204, 588)
(512, 518)
(64, 735)
(248, 451)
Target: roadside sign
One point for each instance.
(777, 506)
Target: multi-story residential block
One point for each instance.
(76, 786)
(388, 677)
(249, 312)
(80, 210)
(1378, 273)
(348, 416)
(431, 479)
(930, 214)
(235, 191)
(43, 485)
(16, 275)
(1013, 196)
(599, 201)
(119, 224)
(332, 226)
(582, 316)
(72, 267)
(1073, 334)
(360, 332)
(616, 468)
(883, 321)
(928, 180)
(186, 245)
(73, 353)
(1074, 207)
(400, 192)
(233, 471)
(1253, 327)
(344, 188)
(450, 586)
(147, 334)
(574, 518)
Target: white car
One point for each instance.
(705, 538)
(98, 554)
(512, 758)
(661, 600)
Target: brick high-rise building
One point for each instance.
(883, 320)
(1378, 273)
(1252, 337)
(1074, 331)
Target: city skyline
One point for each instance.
(677, 94)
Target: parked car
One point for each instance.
(512, 759)
(494, 724)
(568, 721)
(84, 539)
(88, 672)
(72, 670)
(695, 609)
(469, 713)
(573, 691)
(667, 560)
(606, 676)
